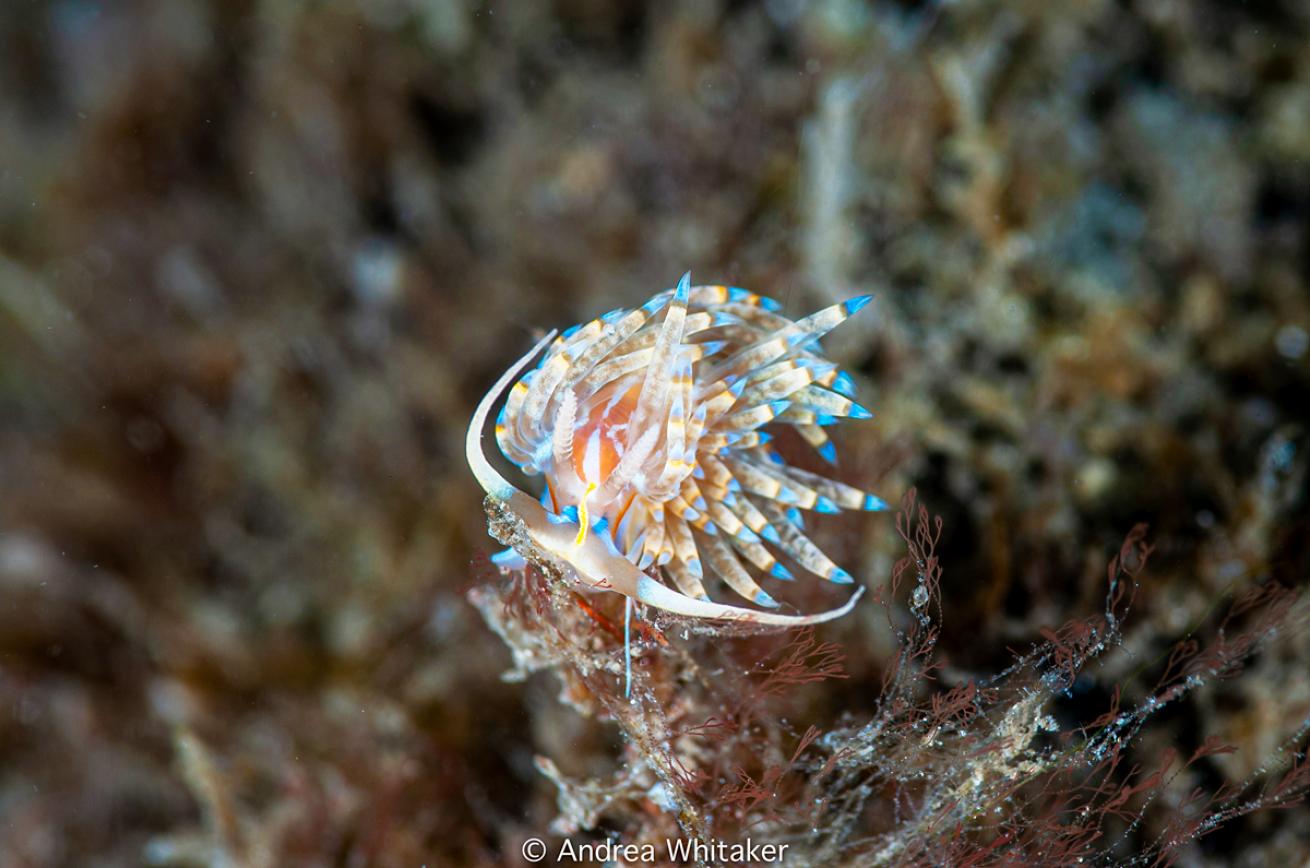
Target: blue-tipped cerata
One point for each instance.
(567, 515)
(844, 384)
(853, 305)
(637, 422)
(509, 560)
(709, 348)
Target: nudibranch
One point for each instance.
(648, 426)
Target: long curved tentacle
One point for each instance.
(488, 477)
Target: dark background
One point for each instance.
(258, 260)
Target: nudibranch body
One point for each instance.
(648, 427)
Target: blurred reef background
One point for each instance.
(260, 258)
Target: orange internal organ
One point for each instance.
(601, 437)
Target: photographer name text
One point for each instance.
(676, 850)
